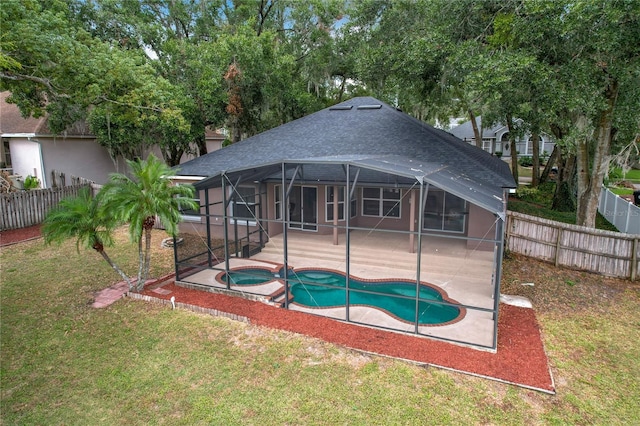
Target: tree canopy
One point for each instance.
(159, 72)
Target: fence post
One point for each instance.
(557, 260)
(634, 259)
(508, 233)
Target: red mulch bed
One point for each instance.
(520, 358)
(13, 236)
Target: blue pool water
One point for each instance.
(324, 289)
(332, 293)
(248, 276)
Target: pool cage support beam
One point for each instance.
(499, 241)
(284, 216)
(208, 224)
(261, 187)
(225, 219)
(347, 243)
(423, 200)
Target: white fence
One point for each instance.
(622, 214)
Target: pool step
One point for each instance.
(279, 298)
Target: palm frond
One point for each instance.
(78, 217)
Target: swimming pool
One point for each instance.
(323, 289)
(327, 289)
(247, 276)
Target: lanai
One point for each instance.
(359, 175)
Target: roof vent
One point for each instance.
(378, 106)
(340, 107)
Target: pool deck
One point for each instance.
(464, 274)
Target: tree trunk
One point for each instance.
(590, 180)
(115, 268)
(514, 152)
(147, 227)
(553, 158)
(140, 283)
(535, 175)
(476, 131)
(202, 146)
(563, 199)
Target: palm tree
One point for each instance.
(139, 201)
(81, 218)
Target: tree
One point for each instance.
(53, 66)
(82, 218)
(139, 200)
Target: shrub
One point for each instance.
(525, 161)
(526, 193)
(31, 182)
(498, 154)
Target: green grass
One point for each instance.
(137, 363)
(537, 202)
(631, 175)
(621, 191)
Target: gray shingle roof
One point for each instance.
(465, 130)
(367, 133)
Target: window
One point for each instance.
(381, 202)
(6, 154)
(354, 205)
(529, 149)
(486, 144)
(243, 204)
(278, 201)
(331, 201)
(191, 215)
(444, 212)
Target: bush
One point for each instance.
(31, 182)
(526, 193)
(498, 154)
(525, 161)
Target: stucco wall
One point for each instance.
(26, 159)
(481, 224)
(78, 157)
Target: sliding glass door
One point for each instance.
(303, 208)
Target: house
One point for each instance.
(29, 148)
(357, 212)
(495, 139)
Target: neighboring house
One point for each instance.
(30, 148)
(496, 139)
(358, 190)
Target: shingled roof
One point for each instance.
(369, 134)
(12, 123)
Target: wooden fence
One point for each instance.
(28, 208)
(59, 179)
(608, 253)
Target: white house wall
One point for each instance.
(26, 158)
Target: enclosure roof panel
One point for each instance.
(366, 133)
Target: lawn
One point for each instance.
(632, 175)
(537, 202)
(64, 362)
